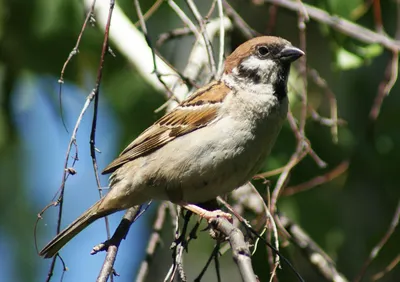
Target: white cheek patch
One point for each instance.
(266, 69)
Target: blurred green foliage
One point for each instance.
(346, 216)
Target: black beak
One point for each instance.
(290, 54)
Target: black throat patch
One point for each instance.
(280, 86)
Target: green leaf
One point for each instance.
(346, 60)
(344, 8)
(370, 51)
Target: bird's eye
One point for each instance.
(262, 51)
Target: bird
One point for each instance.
(210, 144)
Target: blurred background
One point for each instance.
(346, 216)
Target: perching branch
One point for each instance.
(240, 250)
(112, 245)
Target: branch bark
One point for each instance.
(240, 249)
(344, 26)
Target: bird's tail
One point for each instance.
(62, 238)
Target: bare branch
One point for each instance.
(347, 27)
(238, 22)
(318, 80)
(375, 251)
(315, 255)
(386, 85)
(112, 245)
(389, 268)
(321, 179)
(206, 38)
(221, 38)
(154, 240)
(240, 249)
(96, 92)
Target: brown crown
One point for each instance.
(249, 47)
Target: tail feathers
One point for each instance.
(88, 217)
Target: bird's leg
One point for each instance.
(208, 215)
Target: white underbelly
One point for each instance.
(221, 158)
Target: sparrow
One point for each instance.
(210, 144)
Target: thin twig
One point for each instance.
(154, 240)
(386, 85)
(254, 232)
(269, 222)
(150, 11)
(153, 53)
(378, 16)
(214, 254)
(184, 18)
(321, 179)
(302, 18)
(66, 173)
(318, 80)
(96, 92)
(206, 38)
(74, 52)
(387, 269)
(315, 255)
(346, 27)
(112, 245)
(173, 34)
(375, 251)
(221, 38)
(178, 246)
(68, 169)
(237, 20)
(272, 16)
(303, 147)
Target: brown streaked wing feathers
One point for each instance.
(184, 119)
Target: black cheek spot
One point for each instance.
(249, 73)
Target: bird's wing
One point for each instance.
(197, 111)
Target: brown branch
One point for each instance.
(321, 179)
(112, 245)
(68, 170)
(302, 149)
(320, 82)
(386, 85)
(302, 18)
(206, 38)
(66, 173)
(173, 34)
(315, 255)
(178, 246)
(155, 239)
(344, 26)
(150, 11)
(378, 16)
(391, 72)
(251, 230)
(93, 149)
(75, 51)
(240, 249)
(375, 251)
(214, 255)
(153, 52)
(237, 20)
(273, 16)
(387, 269)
